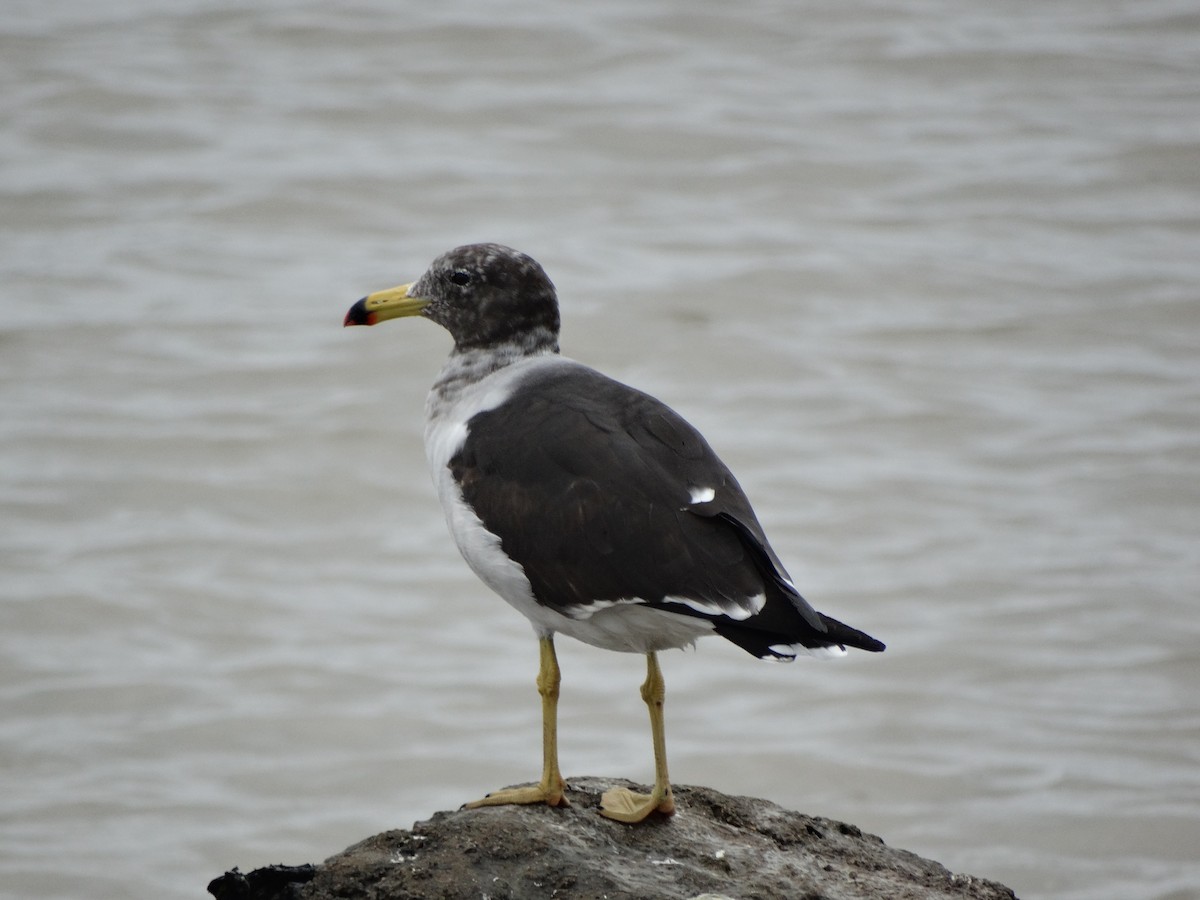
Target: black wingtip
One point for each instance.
(851, 637)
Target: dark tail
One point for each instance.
(786, 618)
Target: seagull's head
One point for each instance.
(485, 295)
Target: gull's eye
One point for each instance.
(461, 277)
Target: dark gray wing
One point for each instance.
(592, 486)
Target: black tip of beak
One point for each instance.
(358, 315)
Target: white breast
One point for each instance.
(452, 402)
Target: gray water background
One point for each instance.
(926, 273)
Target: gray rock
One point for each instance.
(716, 846)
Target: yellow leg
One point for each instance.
(623, 804)
(550, 789)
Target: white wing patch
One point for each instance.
(702, 494)
(791, 651)
(587, 610)
(737, 612)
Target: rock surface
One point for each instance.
(716, 846)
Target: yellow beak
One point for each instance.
(390, 304)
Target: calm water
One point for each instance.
(925, 273)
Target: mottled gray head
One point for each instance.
(485, 295)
